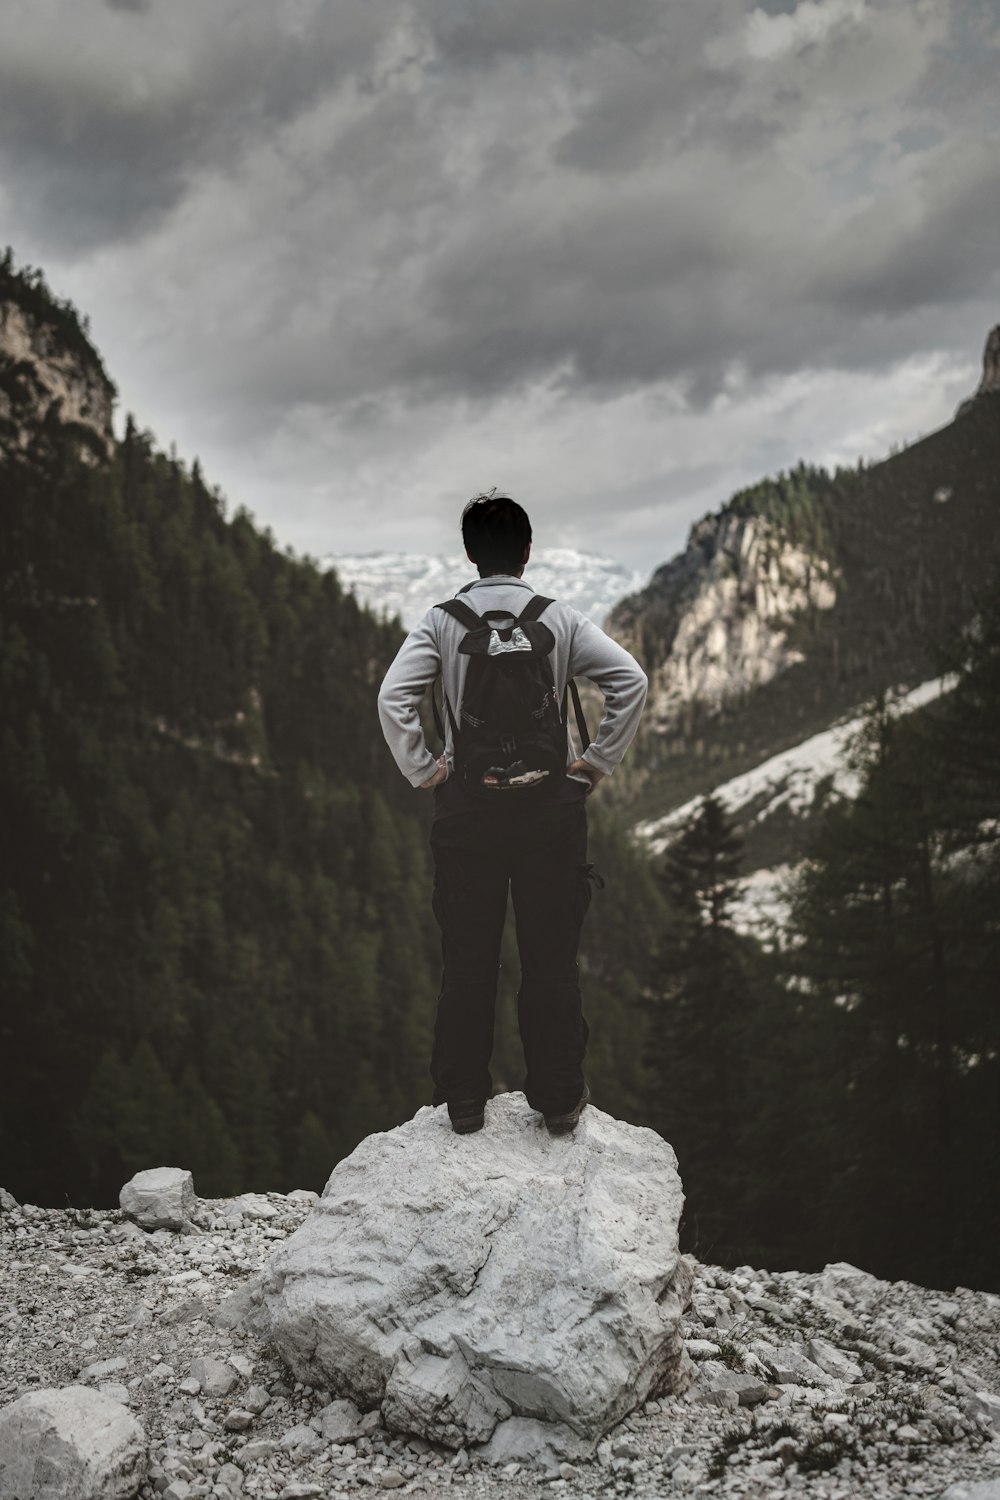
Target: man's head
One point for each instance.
(496, 533)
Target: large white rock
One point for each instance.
(160, 1198)
(508, 1287)
(70, 1444)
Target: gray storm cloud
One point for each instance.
(375, 219)
(614, 194)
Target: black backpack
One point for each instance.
(512, 736)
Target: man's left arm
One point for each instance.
(417, 663)
(624, 684)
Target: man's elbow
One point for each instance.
(387, 711)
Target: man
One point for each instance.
(534, 842)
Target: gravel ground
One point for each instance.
(833, 1384)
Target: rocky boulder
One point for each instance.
(508, 1289)
(70, 1444)
(160, 1198)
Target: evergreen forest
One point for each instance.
(835, 1095)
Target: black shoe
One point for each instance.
(467, 1115)
(563, 1124)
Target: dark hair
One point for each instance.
(496, 532)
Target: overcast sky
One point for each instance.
(617, 257)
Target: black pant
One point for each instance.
(541, 853)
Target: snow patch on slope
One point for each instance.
(791, 777)
(761, 905)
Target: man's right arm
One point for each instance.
(417, 663)
(594, 655)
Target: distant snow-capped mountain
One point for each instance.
(408, 583)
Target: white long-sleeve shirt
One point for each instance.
(581, 649)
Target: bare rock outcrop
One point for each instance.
(509, 1290)
(989, 384)
(714, 622)
(48, 378)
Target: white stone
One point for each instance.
(237, 1420)
(215, 1376)
(463, 1281)
(256, 1206)
(70, 1444)
(160, 1198)
(713, 1378)
(116, 1392)
(833, 1360)
(103, 1367)
(790, 1365)
(527, 1440)
(258, 1449)
(301, 1438)
(340, 1422)
(984, 1406)
(701, 1348)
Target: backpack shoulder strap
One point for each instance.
(533, 608)
(581, 722)
(465, 615)
(462, 612)
(438, 720)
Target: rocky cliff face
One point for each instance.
(43, 378)
(714, 622)
(989, 385)
(991, 364)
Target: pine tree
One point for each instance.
(874, 941)
(698, 1025)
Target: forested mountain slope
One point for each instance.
(806, 594)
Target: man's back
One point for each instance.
(581, 649)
